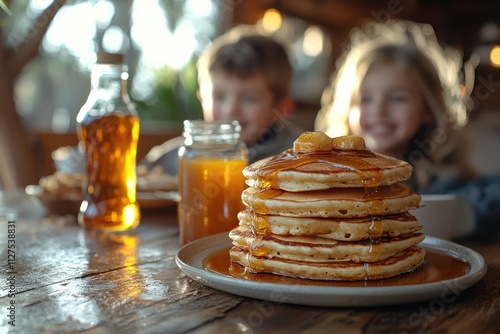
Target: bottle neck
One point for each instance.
(109, 80)
(217, 132)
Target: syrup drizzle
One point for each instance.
(351, 160)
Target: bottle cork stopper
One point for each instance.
(109, 58)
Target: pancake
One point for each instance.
(316, 249)
(328, 209)
(402, 262)
(296, 172)
(347, 229)
(332, 203)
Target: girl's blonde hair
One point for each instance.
(445, 86)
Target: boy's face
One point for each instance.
(249, 101)
(391, 109)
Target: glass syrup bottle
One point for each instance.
(108, 128)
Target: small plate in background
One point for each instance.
(55, 204)
(157, 200)
(70, 203)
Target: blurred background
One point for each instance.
(162, 39)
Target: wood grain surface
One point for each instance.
(71, 280)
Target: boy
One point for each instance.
(246, 77)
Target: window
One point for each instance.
(161, 41)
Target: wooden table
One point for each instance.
(70, 280)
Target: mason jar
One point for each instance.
(211, 181)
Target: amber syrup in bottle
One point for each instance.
(108, 129)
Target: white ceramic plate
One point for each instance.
(191, 257)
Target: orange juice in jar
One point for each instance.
(210, 178)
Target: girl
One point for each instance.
(402, 92)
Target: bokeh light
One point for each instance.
(272, 20)
(495, 56)
(313, 41)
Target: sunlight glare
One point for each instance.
(184, 42)
(150, 33)
(104, 11)
(39, 5)
(200, 8)
(73, 28)
(115, 41)
(148, 18)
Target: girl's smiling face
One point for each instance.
(391, 108)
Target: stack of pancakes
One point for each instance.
(328, 209)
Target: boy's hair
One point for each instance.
(243, 52)
(443, 85)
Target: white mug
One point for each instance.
(445, 216)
